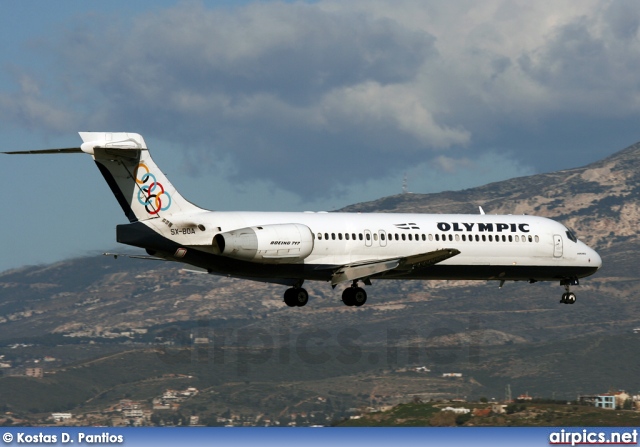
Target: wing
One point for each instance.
(367, 269)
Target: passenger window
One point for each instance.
(517, 238)
(438, 237)
(510, 238)
(490, 238)
(464, 238)
(457, 238)
(326, 236)
(368, 236)
(382, 236)
(450, 238)
(360, 236)
(320, 236)
(397, 237)
(410, 237)
(478, 238)
(375, 236)
(353, 236)
(504, 238)
(333, 236)
(346, 236)
(404, 237)
(340, 236)
(424, 237)
(530, 238)
(537, 239)
(431, 237)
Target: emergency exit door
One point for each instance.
(557, 246)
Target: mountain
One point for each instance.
(601, 201)
(494, 335)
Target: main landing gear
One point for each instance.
(354, 295)
(296, 297)
(568, 297)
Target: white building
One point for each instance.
(60, 417)
(457, 410)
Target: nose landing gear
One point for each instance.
(568, 297)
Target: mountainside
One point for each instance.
(601, 201)
(445, 325)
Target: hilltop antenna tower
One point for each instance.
(405, 189)
(507, 393)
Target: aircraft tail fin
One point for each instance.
(142, 190)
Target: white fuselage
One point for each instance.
(347, 238)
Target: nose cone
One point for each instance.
(594, 258)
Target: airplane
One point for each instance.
(289, 248)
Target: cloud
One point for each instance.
(29, 108)
(274, 87)
(319, 98)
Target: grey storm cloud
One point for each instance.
(267, 86)
(358, 89)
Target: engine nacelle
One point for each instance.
(266, 244)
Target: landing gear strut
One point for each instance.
(354, 295)
(568, 297)
(296, 297)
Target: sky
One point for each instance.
(295, 106)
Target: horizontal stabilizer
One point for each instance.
(69, 150)
(125, 255)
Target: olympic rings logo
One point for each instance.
(151, 194)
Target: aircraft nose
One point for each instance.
(594, 258)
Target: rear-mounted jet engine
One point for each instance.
(266, 244)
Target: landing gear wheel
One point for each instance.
(354, 296)
(296, 297)
(359, 296)
(568, 298)
(290, 297)
(301, 297)
(348, 296)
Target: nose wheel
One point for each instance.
(568, 297)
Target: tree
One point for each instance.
(462, 419)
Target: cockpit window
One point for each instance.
(571, 235)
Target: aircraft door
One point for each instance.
(367, 238)
(557, 246)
